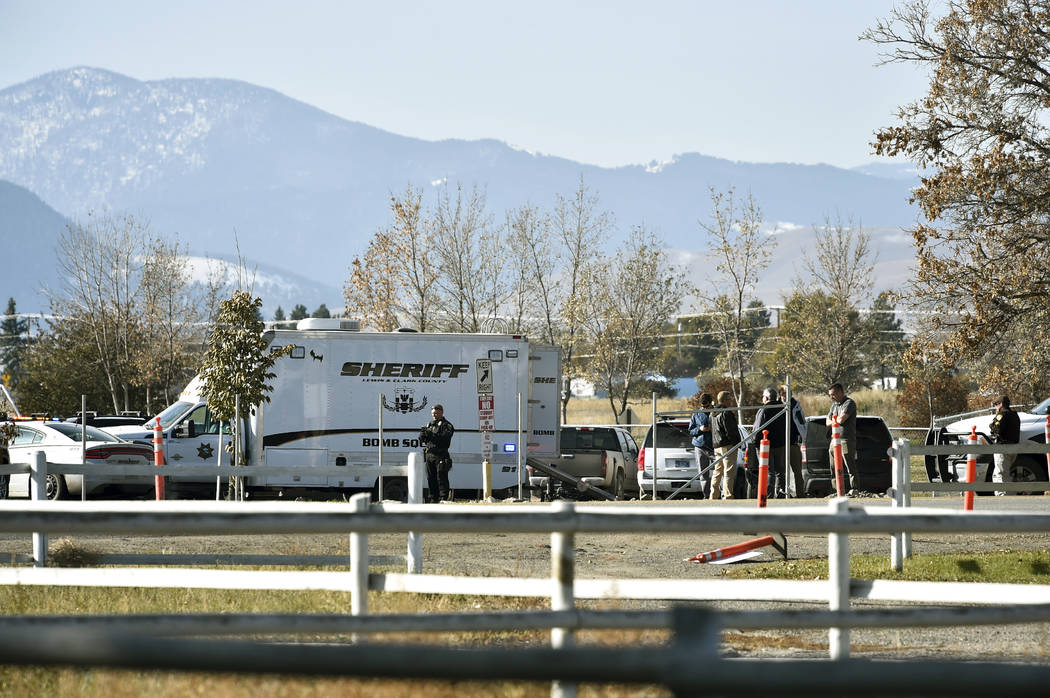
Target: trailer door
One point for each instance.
(544, 401)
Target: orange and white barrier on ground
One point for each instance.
(836, 450)
(729, 552)
(158, 458)
(763, 468)
(971, 471)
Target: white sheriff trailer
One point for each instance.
(337, 389)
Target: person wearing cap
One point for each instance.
(436, 437)
(772, 406)
(1005, 429)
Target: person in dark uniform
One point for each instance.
(436, 438)
(1006, 429)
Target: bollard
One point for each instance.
(836, 449)
(763, 468)
(38, 492)
(415, 496)
(158, 458)
(486, 479)
(971, 471)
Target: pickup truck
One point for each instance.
(599, 456)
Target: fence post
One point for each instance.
(838, 576)
(415, 496)
(38, 492)
(563, 574)
(905, 450)
(896, 538)
(359, 560)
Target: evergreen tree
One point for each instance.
(322, 311)
(278, 315)
(12, 343)
(299, 312)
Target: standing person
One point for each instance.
(798, 437)
(1005, 429)
(771, 405)
(436, 438)
(700, 430)
(845, 409)
(724, 435)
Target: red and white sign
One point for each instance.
(486, 424)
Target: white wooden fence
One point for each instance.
(562, 521)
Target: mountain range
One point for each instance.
(220, 163)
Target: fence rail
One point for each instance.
(562, 521)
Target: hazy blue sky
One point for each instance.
(607, 83)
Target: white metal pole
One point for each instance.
(839, 580)
(906, 460)
(517, 451)
(563, 573)
(655, 494)
(379, 489)
(38, 492)
(218, 463)
(83, 447)
(238, 494)
(789, 420)
(415, 496)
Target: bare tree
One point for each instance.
(100, 263)
(822, 337)
(582, 230)
(534, 298)
(739, 252)
(623, 314)
(470, 260)
(376, 286)
(170, 318)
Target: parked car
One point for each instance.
(602, 456)
(677, 464)
(874, 469)
(1028, 467)
(60, 442)
(103, 421)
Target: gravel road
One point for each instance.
(653, 555)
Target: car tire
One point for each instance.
(1026, 469)
(394, 488)
(617, 487)
(55, 487)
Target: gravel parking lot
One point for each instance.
(658, 555)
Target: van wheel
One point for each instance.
(617, 488)
(395, 488)
(1026, 469)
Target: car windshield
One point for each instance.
(171, 414)
(581, 439)
(1042, 408)
(670, 435)
(73, 432)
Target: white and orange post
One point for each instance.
(971, 471)
(158, 458)
(836, 450)
(763, 468)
